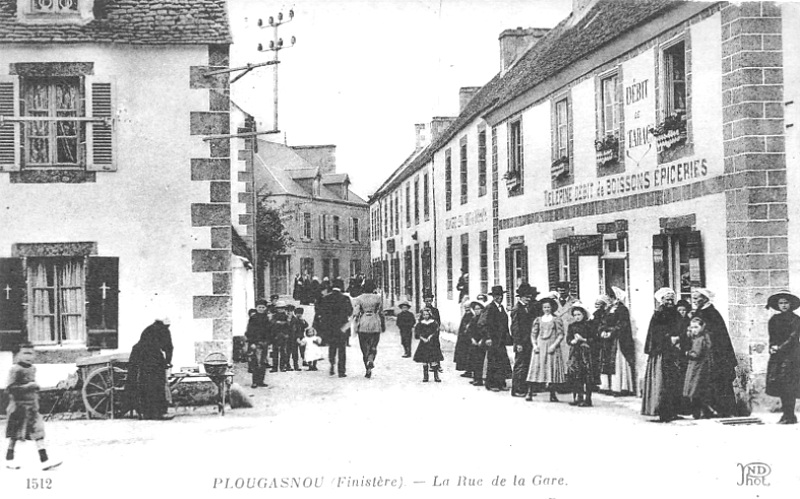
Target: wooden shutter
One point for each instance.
(552, 265)
(694, 244)
(10, 157)
(102, 302)
(574, 278)
(523, 263)
(12, 303)
(660, 271)
(100, 137)
(510, 274)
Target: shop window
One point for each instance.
(516, 158)
(482, 163)
(448, 181)
(483, 242)
(516, 269)
(59, 301)
(464, 178)
(449, 257)
(678, 262)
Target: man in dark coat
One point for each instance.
(336, 310)
(258, 339)
(522, 317)
(723, 357)
(493, 323)
(281, 330)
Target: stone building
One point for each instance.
(326, 221)
(115, 169)
(634, 145)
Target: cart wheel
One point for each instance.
(102, 392)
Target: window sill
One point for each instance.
(52, 176)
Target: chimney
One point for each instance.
(439, 124)
(579, 9)
(515, 42)
(465, 94)
(423, 135)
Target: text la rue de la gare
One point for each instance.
(662, 176)
(241, 483)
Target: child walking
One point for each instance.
(24, 420)
(429, 351)
(311, 349)
(697, 386)
(405, 322)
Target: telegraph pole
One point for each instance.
(275, 46)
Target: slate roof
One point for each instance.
(278, 167)
(562, 46)
(140, 22)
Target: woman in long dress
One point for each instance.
(783, 368)
(616, 331)
(547, 361)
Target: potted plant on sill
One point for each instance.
(671, 132)
(607, 150)
(559, 168)
(512, 179)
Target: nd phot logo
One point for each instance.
(754, 474)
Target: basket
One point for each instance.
(216, 363)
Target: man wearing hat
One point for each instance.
(427, 297)
(522, 316)
(463, 285)
(476, 353)
(258, 339)
(281, 330)
(335, 309)
(493, 324)
(723, 357)
(405, 322)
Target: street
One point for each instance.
(309, 430)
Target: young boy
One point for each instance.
(24, 420)
(300, 329)
(405, 322)
(292, 343)
(258, 336)
(281, 331)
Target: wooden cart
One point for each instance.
(104, 378)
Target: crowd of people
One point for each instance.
(559, 346)
(308, 289)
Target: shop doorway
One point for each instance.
(615, 263)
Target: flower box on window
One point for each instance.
(607, 150)
(559, 168)
(512, 179)
(670, 133)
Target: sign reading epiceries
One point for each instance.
(663, 176)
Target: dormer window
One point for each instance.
(54, 6)
(55, 11)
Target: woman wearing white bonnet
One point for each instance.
(616, 327)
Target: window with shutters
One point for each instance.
(426, 201)
(307, 267)
(563, 262)
(516, 269)
(60, 122)
(408, 205)
(355, 230)
(416, 201)
(516, 158)
(323, 227)
(59, 301)
(427, 267)
(409, 271)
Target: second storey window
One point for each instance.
(562, 130)
(610, 108)
(463, 161)
(426, 203)
(323, 227)
(336, 232)
(354, 228)
(52, 141)
(307, 225)
(482, 163)
(408, 205)
(416, 201)
(448, 181)
(675, 72)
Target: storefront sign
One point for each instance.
(639, 99)
(663, 176)
(467, 219)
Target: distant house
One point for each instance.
(115, 206)
(325, 219)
